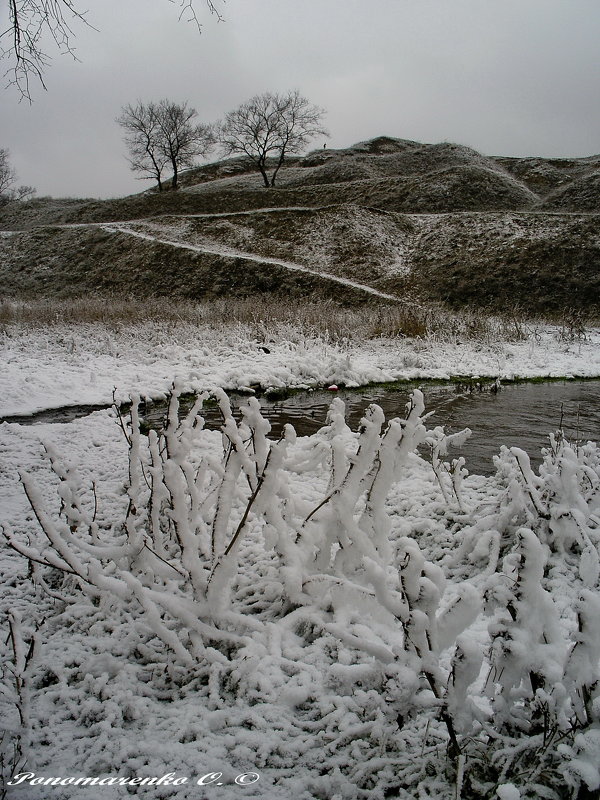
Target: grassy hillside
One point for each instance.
(439, 222)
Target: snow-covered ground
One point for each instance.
(72, 365)
(317, 694)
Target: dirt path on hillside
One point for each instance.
(228, 252)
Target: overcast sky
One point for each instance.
(507, 77)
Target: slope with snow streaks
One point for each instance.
(365, 245)
(532, 263)
(539, 261)
(542, 262)
(226, 252)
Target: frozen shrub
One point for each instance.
(17, 665)
(278, 572)
(560, 504)
(173, 556)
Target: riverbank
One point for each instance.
(104, 694)
(106, 697)
(83, 364)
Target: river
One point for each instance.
(521, 414)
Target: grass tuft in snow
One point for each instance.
(265, 315)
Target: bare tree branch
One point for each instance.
(33, 24)
(187, 7)
(8, 191)
(30, 23)
(161, 134)
(270, 126)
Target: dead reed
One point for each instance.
(264, 313)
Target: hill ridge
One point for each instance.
(384, 218)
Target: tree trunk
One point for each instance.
(175, 174)
(264, 175)
(277, 168)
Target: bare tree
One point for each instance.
(33, 24)
(142, 136)
(164, 134)
(182, 139)
(8, 177)
(269, 127)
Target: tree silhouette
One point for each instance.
(269, 127)
(164, 134)
(8, 190)
(32, 22)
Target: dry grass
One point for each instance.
(264, 314)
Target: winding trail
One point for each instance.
(228, 252)
(124, 227)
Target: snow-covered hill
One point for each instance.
(427, 222)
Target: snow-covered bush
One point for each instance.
(542, 669)
(173, 555)
(16, 670)
(188, 508)
(561, 503)
(287, 574)
(173, 552)
(450, 475)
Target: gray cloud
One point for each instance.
(504, 76)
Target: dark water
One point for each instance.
(519, 414)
